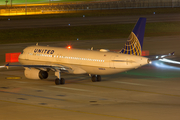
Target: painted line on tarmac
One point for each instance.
(130, 83)
(20, 82)
(71, 88)
(69, 110)
(36, 96)
(149, 92)
(13, 78)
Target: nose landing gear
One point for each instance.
(59, 80)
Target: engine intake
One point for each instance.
(35, 73)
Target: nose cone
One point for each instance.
(20, 56)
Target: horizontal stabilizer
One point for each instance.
(157, 57)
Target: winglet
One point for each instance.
(171, 54)
(134, 43)
(7, 66)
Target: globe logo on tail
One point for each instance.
(132, 46)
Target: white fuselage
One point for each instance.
(81, 61)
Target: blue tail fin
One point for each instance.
(134, 43)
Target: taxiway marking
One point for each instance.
(149, 92)
(131, 83)
(36, 96)
(13, 78)
(70, 88)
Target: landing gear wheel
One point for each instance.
(59, 81)
(98, 78)
(62, 81)
(93, 78)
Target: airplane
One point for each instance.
(39, 60)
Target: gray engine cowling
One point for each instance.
(33, 73)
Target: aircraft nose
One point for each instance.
(20, 56)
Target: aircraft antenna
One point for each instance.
(92, 48)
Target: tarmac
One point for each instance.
(150, 92)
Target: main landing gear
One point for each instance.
(95, 78)
(59, 80)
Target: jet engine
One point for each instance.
(33, 73)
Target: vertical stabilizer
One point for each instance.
(134, 43)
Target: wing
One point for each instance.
(66, 68)
(54, 67)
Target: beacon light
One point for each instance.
(68, 47)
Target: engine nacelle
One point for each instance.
(33, 73)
